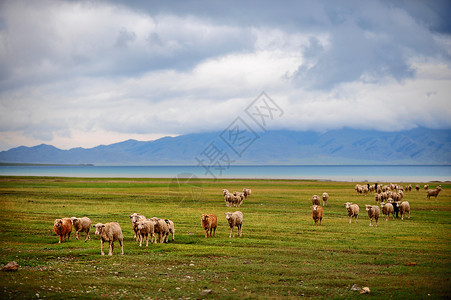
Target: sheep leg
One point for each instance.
(101, 247)
(240, 227)
(350, 219)
(214, 231)
(77, 235)
(231, 231)
(60, 238)
(121, 243)
(147, 240)
(111, 248)
(140, 240)
(356, 218)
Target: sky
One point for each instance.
(84, 73)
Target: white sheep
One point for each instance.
(373, 213)
(387, 209)
(145, 228)
(110, 232)
(162, 228)
(81, 225)
(325, 197)
(315, 200)
(171, 229)
(135, 217)
(235, 219)
(353, 211)
(247, 192)
(404, 207)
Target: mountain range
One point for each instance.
(275, 147)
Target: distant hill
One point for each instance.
(345, 146)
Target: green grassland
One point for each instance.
(281, 254)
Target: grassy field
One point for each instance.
(280, 255)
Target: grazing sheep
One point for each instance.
(387, 209)
(325, 197)
(135, 217)
(373, 213)
(171, 229)
(353, 211)
(145, 228)
(110, 232)
(162, 228)
(209, 223)
(433, 192)
(317, 214)
(63, 228)
(315, 200)
(235, 219)
(81, 225)
(247, 192)
(404, 207)
(417, 187)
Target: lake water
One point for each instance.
(385, 173)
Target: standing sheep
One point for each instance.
(353, 211)
(110, 232)
(373, 213)
(315, 200)
(426, 187)
(387, 209)
(404, 207)
(235, 219)
(145, 228)
(317, 214)
(209, 223)
(247, 192)
(135, 217)
(417, 187)
(162, 228)
(171, 229)
(81, 225)
(63, 228)
(325, 197)
(433, 192)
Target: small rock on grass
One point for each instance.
(10, 267)
(355, 287)
(206, 292)
(365, 290)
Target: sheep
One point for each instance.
(225, 192)
(426, 187)
(63, 228)
(315, 200)
(373, 213)
(110, 232)
(317, 214)
(395, 208)
(417, 187)
(162, 228)
(378, 198)
(433, 192)
(145, 227)
(209, 223)
(235, 219)
(81, 225)
(387, 209)
(135, 217)
(171, 229)
(247, 192)
(228, 199)
(404, 207)
(325, 197)
(353, 211)
(237, 199)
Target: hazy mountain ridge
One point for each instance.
(345, 146)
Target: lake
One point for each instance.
(377, 173)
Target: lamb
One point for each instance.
(162, 228)
(145, 228)
(63, 228)
(353, 211)
(247, 192)
(209, 223)
(317, 214)
(171, 229)
(373, 213)
(325, 197)
(315, 200)
(387, 209)
(235, 219)
(404, 207)
(110, 232)
(135, 217)
(81, 225)
(433, 192)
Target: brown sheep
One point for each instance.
(209, 223)
(433, 192)
(63, 228)
(317, 214)
(109, 232)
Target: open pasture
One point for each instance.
(281, 254)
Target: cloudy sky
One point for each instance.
(83, 73)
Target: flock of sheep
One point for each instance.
(389, 197)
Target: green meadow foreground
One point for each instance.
(281, 254)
